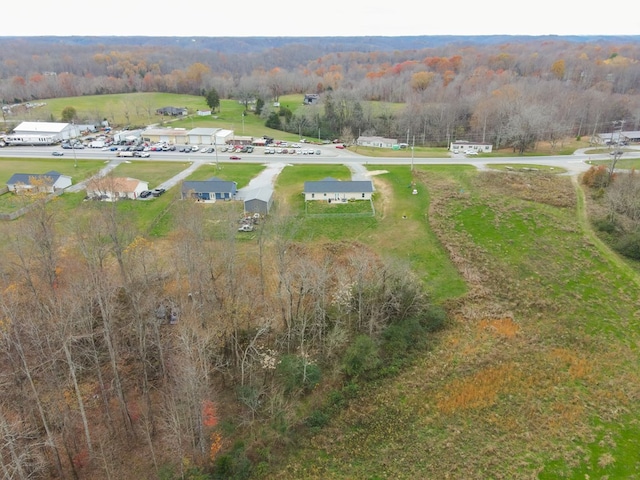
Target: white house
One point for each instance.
(379, 142)
(48, 182)
(462, 146)
(332, 190)
(111, 189)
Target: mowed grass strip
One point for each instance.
(537, 373)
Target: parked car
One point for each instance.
(156, 192)
(195, 148)
(341, 147)
(234, 157)
(247, 227)
(57, 154)
(470, 152)
(145, 194)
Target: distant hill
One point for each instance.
(244, 45)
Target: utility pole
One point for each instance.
(412, 148)
(617, 152)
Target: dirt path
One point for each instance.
(603, 248)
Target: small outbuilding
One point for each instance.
(259, 201)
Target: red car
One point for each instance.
(234, 157)
(340, 146)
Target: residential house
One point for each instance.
(379, 142)
(462, 146)
(334, 190)
(209, 190)
(258, 200)
(311, 99)
(111, 189)
(172, 111)
(49, 182)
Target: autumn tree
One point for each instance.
(69, 114)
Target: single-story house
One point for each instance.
(612, 138)
(115, 188)
(61, 131)
(464, 146)
(209, 190)
(173, 111)
(380, 142)
(48, 182)
(331, 189)
(311, 98)
(202, 136)
(259, 201)
(172, 136)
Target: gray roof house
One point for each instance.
(209, 190)
(47, 182)
(331, 189)
(173, 111)
(258, 200)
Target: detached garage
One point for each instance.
(258, 201)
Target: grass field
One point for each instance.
(536, 375)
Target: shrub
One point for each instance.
(629, 245)
(434, 318)
(605, 225)
(297, 373)
(362, 358)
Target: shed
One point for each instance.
(259, 201)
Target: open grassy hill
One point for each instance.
(536, 375)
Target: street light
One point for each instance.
(242, 123)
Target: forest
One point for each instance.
(491, 328)
(509, 91)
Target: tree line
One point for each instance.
(509, 94)
(122, 357)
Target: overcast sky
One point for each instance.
(284, 18)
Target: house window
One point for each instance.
(325, 194)
(363, 195)
(313, 195)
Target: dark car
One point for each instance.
(156, 192)
(145, 194)
(234, 157)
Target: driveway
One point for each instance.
(266, 179)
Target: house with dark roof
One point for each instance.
(48, 182)
(172, 111)
(209, 190)
(334, 190)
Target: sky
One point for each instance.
(288, 18)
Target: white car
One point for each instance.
(470, 152)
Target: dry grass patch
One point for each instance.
(503, 327)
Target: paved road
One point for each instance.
(573, 164)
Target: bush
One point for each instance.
(362, 358)
(434, 318)
(400, 339)
(297, 373)
(629, 245)
(605, 225)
